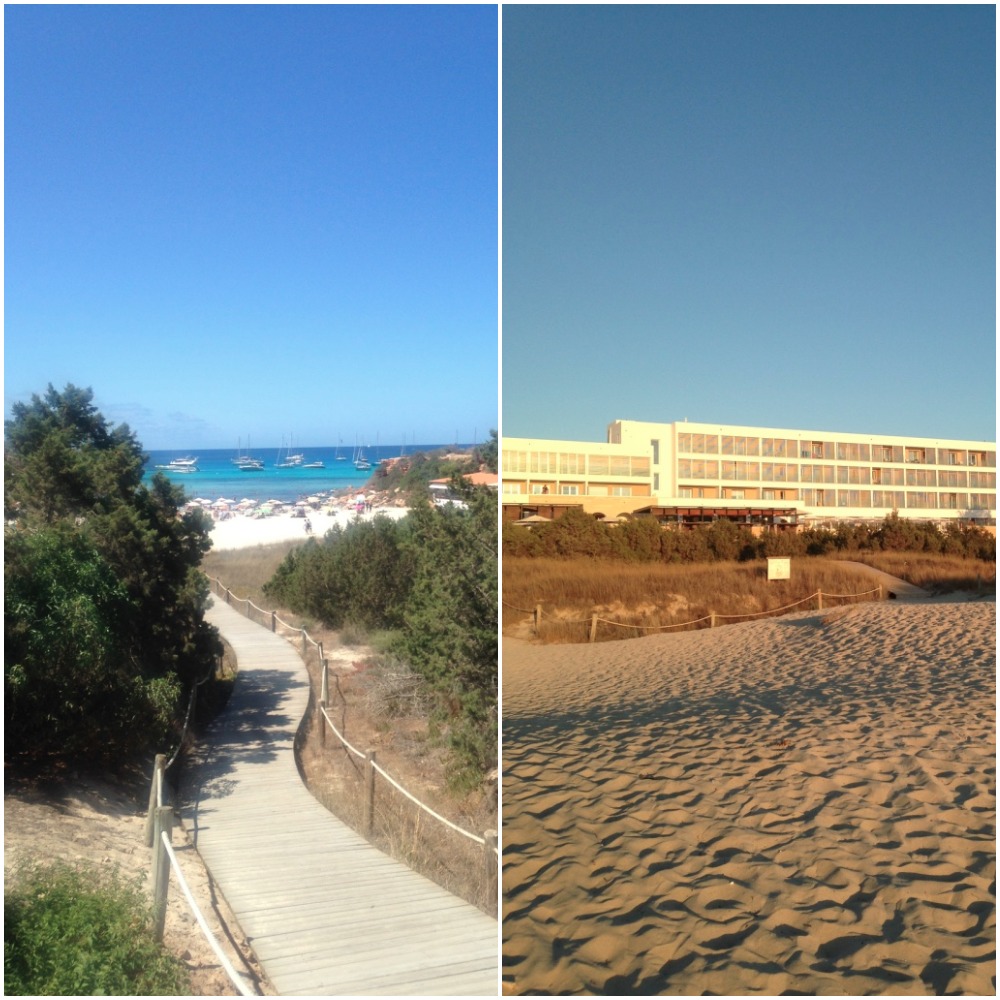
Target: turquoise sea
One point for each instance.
(219, 476)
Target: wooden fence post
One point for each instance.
(538, 619)
(712, 620)
(324, 697)
(163, 822)
(489, 857)
(305, 636)
(593, 627)
(159, 765)
(228, 596)
(819, 600)
(274, 621)
(369, 792)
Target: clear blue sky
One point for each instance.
(778, 216)
(235, 221)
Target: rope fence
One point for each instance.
(158, 836)
(271, 620)
(713, 618)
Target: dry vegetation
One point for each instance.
(937, 573)
(375, 702)
(650, 595)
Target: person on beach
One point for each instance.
(359, 504)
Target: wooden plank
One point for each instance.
(325, 911)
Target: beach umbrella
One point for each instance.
(222, 502)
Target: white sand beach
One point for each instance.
(235, 530)
(798, 805)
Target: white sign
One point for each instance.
(779, 568)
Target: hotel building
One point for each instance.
(691, 472)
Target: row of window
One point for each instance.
(781, 472)
(840, 451)
(560, 463)
(876, 499)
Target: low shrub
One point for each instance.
(83, 932)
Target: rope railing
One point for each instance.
(712, 618)
(158, 835)
(234, 976)
(487, 841)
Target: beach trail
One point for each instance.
(795, 805)
(325, 912)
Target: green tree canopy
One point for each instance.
(103, 610)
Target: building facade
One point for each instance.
(691, 472)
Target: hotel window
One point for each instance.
(983, 501)
(621, 491)
(656, 451)
(958, 458)
(599, 465)
(685, 492)
(572, 465)
(543, 461)
(656, 482)
(921, 500)
(509, 487)
(916, 455)
(515, 461)
(982, 458)
(951, 501)
(569, 491)
(984, 480)
(921, 477)
(953, 477)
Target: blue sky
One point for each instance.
(255, 221)
(777, 216)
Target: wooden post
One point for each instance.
(304, 637)
(159, 766)
(323, 699)
(163, 822)
(324, 691)
(369, 792)
(228, 596)
(274, 621)
(489, 857)
(593, 627)
(819, 600)
(712, 620)
(538, 619)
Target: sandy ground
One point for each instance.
(99, 823)
(801, 805)
(239, 531)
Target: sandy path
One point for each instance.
(804, 804)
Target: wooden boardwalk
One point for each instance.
(325, 912)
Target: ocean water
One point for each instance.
(218, 476)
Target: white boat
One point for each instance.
(290, 461)
(181, 465)
(314, 465)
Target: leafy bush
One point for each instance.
(103, 608)
(642, 539)
(80, 932)
(430, 578)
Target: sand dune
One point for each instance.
(804, 804)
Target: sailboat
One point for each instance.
(246, 463)
(338, 456)
(360, 462)
(291, 461)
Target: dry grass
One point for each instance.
(648, 596)
(245, 571)
(372, 702)
(936, 573)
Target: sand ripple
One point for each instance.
(797, 805)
